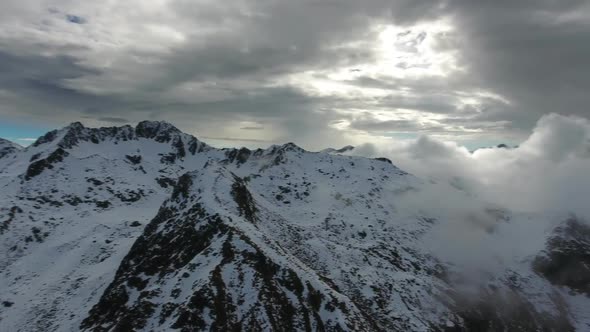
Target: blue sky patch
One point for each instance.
(21, 133)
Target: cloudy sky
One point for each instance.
(317, 72)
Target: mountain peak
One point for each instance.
(162, 131)
(68, 133)
(156, 126)
(290, 146)
(75, 132)
(75, 125)
(8, 147)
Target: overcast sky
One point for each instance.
(319, 73)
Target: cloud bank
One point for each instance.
(549, 171)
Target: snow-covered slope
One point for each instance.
(7, 147)
(147, 228)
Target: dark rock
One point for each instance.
(165, 182)
(49, 137)
(384, 160)
(182, 186)
(94, 181)
(244, 199)
(195, 146)
(103, 204)
(161, 132)
(179, 146)
(11, 215)
(133, 159)
(130, 196)
(239, 156)
(497, 310)
(39, 166)
(566, 260)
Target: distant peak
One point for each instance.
(160, 130)
(75, 125)
(75, 132)
(291, 147)
(156, 125)
(69, 131)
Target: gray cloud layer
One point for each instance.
(306, 71)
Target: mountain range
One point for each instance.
(147, 228)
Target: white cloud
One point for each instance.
(508, 199)
(549, 171)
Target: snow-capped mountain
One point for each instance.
(147, 228)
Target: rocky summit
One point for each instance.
(147, 228)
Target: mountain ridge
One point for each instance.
(268, 239)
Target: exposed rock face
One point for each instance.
(149, 229)
(36, 167)
(506, 310)
(161, 132)
(236, 284)
(75, 133)
(566, 261)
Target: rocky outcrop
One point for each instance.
(566, 260)
(275, 239)
(213, 275)
(37, 167)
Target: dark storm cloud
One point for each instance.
(535, 53)
(37, 82)
(27, 71)
(281, 37)
(235, 57)
(285, 38)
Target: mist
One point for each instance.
(495, 206)
(549, 171)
